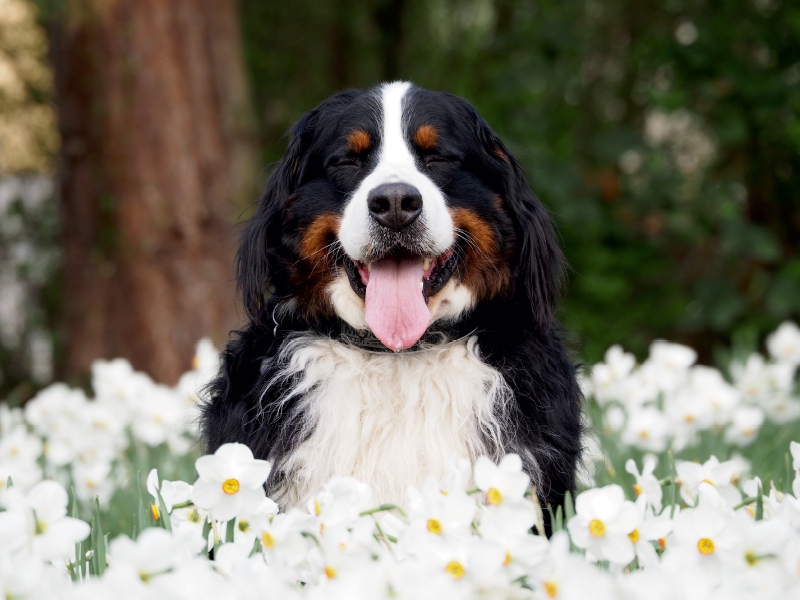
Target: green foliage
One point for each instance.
(662, 135)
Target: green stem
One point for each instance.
(382, 508)
(744, 503)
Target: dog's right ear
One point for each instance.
(258, 260)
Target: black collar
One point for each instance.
(437, 334)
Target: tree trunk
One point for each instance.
(157, 160)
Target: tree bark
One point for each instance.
(157, 159)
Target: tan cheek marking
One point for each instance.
(499, 153)
(487, 273)
(359, 141)
(318, 236)
(426, 137)
(311, 275)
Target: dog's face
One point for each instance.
(395, 208)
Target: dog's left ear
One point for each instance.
(538, 260)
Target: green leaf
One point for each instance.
(673, 488)
(164, 519)
(760, 504)
(569, 507)
(229, 532)
(98, 541)
(144, 520)
(256, 548)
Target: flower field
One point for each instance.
(690, 489)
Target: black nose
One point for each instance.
(395, 205)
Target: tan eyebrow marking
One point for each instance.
(426, 137)
(358, 141)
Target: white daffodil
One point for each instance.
(23, 575)
(246, 530)
(563, 575)
(647, 429)
(602, 523)
(757, 379)
(230, 482)
(649, 529)
(703, 536)
(283, 538)
(158, 414)
(510, 530)
(781, 408)
(761, 543)
(340, 501)
(744, 425)
(713, 472)
(501, 483)
(23, 475)
(434, 512)
(93, 480)
(646, 483)
(668, 364)
(39, 521)
(783, 344)
(711, 390)
(606, 377)
(19, 446)
(154, 551)
(172, 492)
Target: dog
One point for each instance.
(400, 281)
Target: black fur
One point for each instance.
(517, 331)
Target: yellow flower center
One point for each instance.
(597, 528)
(751, 558)
(455, 569)
(551, 589)
(244, 526)
(194, 516)
(267, 540)
(230, 486)
(155, 512)
(330, 572)
(634, 535)
(494, 496)
(637, 488)
(434, 526)
(705, 546)
(662, 543)
(317, 507)
(689, 418)
(508, 559)
(644, 434)
(708, 481)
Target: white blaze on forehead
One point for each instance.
(395, 164)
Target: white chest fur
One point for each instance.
(390, 420)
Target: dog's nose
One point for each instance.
(395, 205)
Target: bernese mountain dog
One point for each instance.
(400, 280)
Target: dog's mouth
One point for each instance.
(396, 289)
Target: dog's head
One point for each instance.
(394, 208)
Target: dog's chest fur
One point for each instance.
(390, 420)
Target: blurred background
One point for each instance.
(664, 135)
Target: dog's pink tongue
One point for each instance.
(396, 310)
